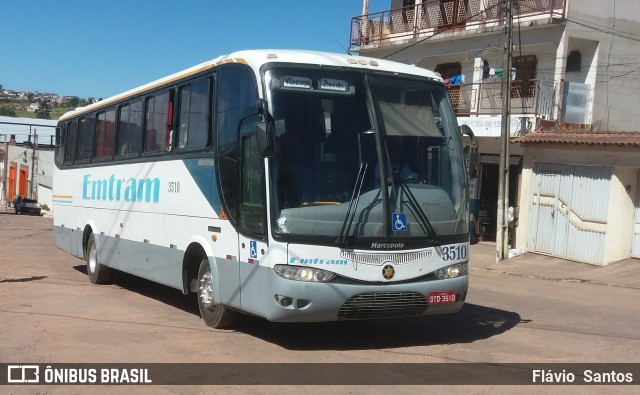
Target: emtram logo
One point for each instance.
(116, 189)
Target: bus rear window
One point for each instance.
(70, 144)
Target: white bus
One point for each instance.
(291, 185)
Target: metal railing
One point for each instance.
(436, 16)
(485, 98)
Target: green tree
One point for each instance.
(7, 112)
(71, 101)
(44, 110)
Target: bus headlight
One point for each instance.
(453, 271)
(301, 273)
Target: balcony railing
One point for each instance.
(485, 98)
(436, 16)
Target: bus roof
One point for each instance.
(257, 58)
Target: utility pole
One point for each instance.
(5, 160)
(34, 146)
(502, 227)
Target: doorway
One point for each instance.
(488, 200)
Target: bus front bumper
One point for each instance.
(297, 301)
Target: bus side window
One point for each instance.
(157, 122)
(130, 129)
(85, 138)
(105, 134)
(59, 155)
(70, 147)
(135, 127)
(193, 128)
(252, 210)
(123, 130)
(237, 96)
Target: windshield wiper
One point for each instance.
(353, 206)
(413, 202)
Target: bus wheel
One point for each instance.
(98, 274)
(214, 314)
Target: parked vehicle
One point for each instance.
(30, 206)
(262, 197)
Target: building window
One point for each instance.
(452, 72)
(448, 70)
(574, 61)
(526, 69)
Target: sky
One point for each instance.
(99, 48)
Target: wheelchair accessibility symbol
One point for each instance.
(253, 250)
(399, 222)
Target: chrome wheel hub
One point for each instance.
(205, 290)
(93, 260)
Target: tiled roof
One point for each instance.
(580, 137)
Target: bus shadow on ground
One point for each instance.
(150, 289)
(472, 323)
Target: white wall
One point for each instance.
(616, 96)
(625, 162)
(45, 196)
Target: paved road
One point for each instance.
(50, 313)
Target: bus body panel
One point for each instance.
(227, 272)
(152, 262)
(139, 227)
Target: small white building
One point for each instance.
(26, 154)
(580, 195)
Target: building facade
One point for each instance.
(574, 66)
(26, 158)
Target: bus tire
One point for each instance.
(214, 314)
(98, 274)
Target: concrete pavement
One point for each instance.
(625, 273)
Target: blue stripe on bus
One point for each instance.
(203, 173)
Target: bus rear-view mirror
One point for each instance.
(265, 139)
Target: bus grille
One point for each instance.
(383, 305)
(380, 258)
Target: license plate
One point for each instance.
(442, 297)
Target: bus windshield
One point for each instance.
(364, 156)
